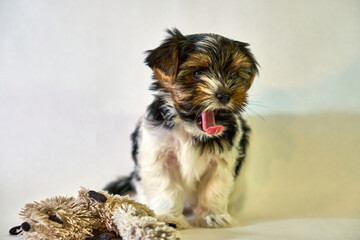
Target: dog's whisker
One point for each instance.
(256, 113)
(258, 104)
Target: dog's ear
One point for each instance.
(164, 60)
(244, 48)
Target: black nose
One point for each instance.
(18, 229)
(223, 98)
(25, 226)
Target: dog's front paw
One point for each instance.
(179, 222)
(214, 220)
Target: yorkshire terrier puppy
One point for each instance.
(190, 144)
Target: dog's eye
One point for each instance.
(196, 74)
(234, 76)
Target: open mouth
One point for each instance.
(206, 122)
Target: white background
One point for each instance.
(73, 84)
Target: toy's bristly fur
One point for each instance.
(190, 144)
(92, 215)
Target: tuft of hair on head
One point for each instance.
(164, 60)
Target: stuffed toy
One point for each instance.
(91, 216)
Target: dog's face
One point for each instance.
(204, 76)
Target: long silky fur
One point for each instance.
(176, 162)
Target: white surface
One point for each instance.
(294, 229)
(73, 84)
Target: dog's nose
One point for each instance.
(223, 98)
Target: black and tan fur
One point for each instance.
(173, 154)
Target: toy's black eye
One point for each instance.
(55, 218)
(196, 74)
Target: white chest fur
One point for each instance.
(174, 171)
(173, 153)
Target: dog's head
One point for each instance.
(202, 76)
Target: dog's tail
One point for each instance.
(122, 185)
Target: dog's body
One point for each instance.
(189, 146)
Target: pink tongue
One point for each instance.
(208, 123)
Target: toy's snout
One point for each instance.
(25, 226)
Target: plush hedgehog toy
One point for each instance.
(91, 216)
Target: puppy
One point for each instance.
(191, 142)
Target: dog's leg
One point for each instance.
(164, 197)
(168, 206)
(161, 184)
(214, 190)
